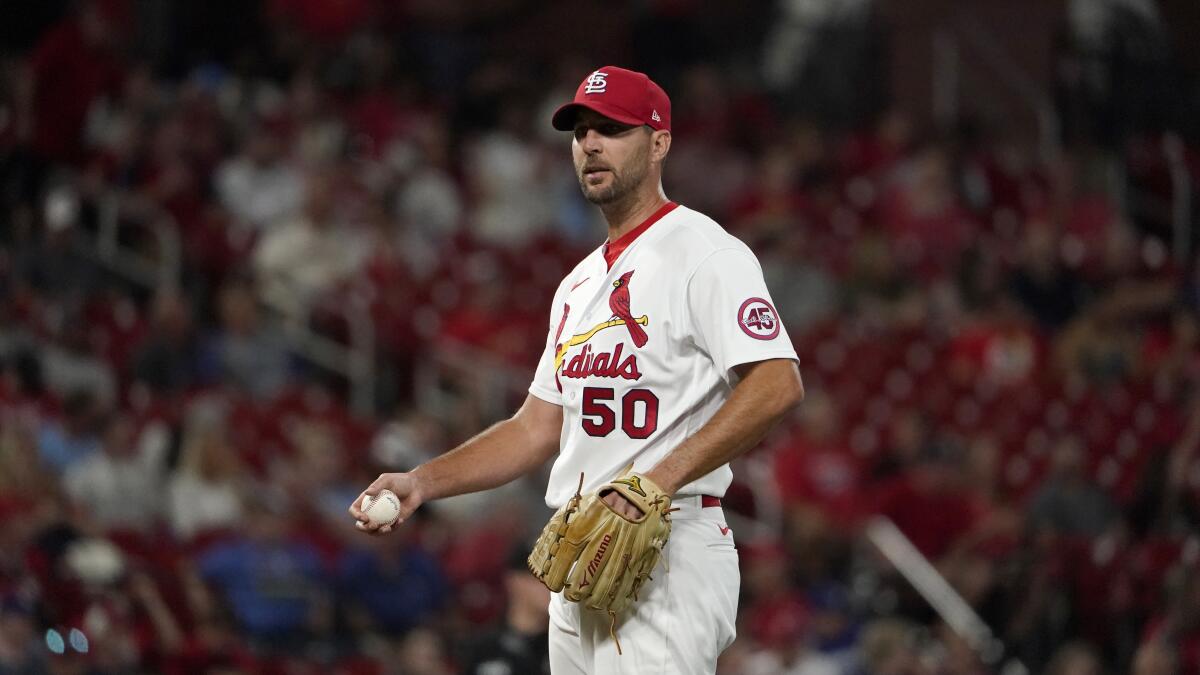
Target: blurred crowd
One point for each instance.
(999, 357)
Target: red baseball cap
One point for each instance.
(623, 95)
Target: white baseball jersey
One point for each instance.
(644, 334)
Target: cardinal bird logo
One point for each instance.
(618, 302)
(602, 363)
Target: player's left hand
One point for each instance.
(599, 549)
(617, 502)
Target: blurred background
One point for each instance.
(254, 253)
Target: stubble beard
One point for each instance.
(623, 184)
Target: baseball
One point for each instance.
(383, 509)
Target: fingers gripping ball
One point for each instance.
(598, 557)
(382, 509)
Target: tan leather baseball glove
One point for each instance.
(598, 557)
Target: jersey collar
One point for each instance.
(614, 249)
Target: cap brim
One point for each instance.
(564, 117)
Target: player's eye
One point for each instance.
(604, 129)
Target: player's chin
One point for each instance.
(599, 195)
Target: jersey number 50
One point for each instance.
(600, 420)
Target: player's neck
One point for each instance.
(627, 214)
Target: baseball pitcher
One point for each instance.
(664, 361)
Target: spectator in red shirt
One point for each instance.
(929, 503)
(921, 213)
(816, 469)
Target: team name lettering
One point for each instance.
(603, 364)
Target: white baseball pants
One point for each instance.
(683, 620)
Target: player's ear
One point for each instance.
(660, 144)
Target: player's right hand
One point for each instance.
(406, 487)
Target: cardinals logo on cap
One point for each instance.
(597, 83)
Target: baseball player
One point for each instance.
(664, 361)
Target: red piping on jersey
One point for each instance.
(613, 250)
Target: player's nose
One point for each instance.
(591, 142)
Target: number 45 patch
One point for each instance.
(758, 319)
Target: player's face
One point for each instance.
(611, 158)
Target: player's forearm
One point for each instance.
(495, 456)
(492, 458)
(760, 400)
